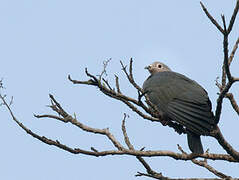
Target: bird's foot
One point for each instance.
(164, 122)
(162, 118)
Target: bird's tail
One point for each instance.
(194, 143)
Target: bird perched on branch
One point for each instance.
(182, 100)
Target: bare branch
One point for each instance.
(93, 149)
(126, 138)
(233, 102)
(210, 168)
(141, 160)
(94, 79)
(108, 92)
(1, 84)
(117, 84)
(235, 79)
(229, 96)
(167, 178)
(206, 165)
(67, 118)
(89, 82)
(43, 138)
(225, 69)
(229, 63)
(233, 51)
(124, 151)
(211, 18)
(50, 116)
(226, 146)
(220, 100)
(224, 23)
(226, 64)
(225, 32)
(233, 17)
(130, 75)
(107, 84)
(105, 64)
(224, 78)
(159, 176)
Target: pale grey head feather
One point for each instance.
(157, 67)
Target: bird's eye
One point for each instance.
(159, 65)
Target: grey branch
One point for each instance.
(233, 102)
(105, 132)
(211, 18)
(207, 166)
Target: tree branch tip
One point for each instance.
(51, 96)
(202, 4)
(181, 149)
(131, 62)
(69, 77)
(123, 66)
(86, 71)
(224, 22)
(142, 149)
(139, 174)
(126, 116)
(36, 116)
(93, 149)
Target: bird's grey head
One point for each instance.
(157, 67)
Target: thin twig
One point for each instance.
(233, 17)
(233, 51)
(105, 64)
(206, 165)
(126, 137)
(141, 160)
(233, 102)
(107, 84)
(130, 75)
(117, 84)
(211, 18)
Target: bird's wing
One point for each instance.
(195, 117)
(184, 101)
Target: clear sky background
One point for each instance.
(41, 42)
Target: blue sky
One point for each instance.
(41, 42)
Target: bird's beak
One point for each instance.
(146, 67)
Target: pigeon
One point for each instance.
(181, 100)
